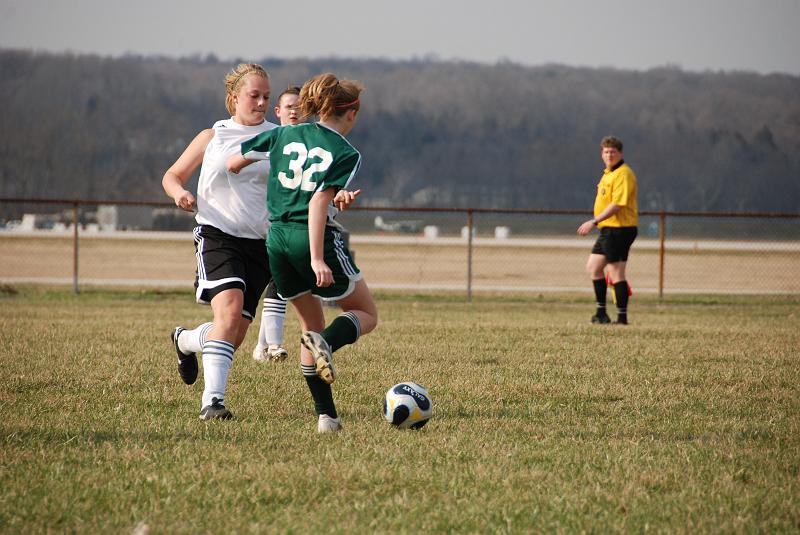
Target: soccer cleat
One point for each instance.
(601, 318)
(259, 354)
(271, 353)
(326, 424)
(321, 352)
(187, 362)
(277, 353)
(215, 411)
(621, 321)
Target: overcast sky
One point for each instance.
(752, 35)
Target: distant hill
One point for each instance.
(431, 133)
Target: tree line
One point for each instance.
(431, 133)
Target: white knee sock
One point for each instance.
(217, 362)
(270, 333)
(192, 341)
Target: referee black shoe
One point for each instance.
(601, 318)
(187, 362)
(215, 411)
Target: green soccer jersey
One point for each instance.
(304, 159)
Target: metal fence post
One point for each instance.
(661, 252)
(469, 255)
(75, 288)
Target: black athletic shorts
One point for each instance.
(225, 261)
(272, 291)
(614, 243)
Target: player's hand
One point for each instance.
(345, 198)
(185, 201)
(236, 163)
(323, 273)
(586, 227)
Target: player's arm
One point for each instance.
(339, 176)
(252, 150)
(317, 218)
(589, 224)
(237, 162)
(179, 173)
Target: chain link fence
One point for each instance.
(466, 251)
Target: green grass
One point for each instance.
(688, 420)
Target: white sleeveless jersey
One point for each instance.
(234, 203)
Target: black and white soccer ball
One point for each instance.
(407, 405)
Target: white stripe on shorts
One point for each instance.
(203, 285)
(198, 253)
(344, 260)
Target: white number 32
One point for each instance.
(298, 176)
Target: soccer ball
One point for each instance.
(407, 405)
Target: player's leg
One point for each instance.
(595, 267)
(349, 291)
(189, 342)
(314, 348)
(236, 275)
(218, 351)
(213, 274)
(270, 332)
(359, 317)
(316, 364)
(288, 254)
(192, 340)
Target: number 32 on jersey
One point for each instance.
(300, 177)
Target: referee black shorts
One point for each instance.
(225, 261)
(614, 243)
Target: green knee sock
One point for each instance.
(344, 329)
(321, 392)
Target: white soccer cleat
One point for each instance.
(321, 352)
(326, 424)
(271, 353)
(260, 354)
(276, 353)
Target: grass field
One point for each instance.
(688, 420)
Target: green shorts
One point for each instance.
(290, 262)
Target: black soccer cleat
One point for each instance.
(601, 318)
(621, 321)
(187, 362)
(215, 411)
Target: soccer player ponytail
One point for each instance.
(327, 96)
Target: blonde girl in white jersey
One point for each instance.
(232, 265)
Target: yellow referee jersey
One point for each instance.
(617, 186)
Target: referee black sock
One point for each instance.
(621, 292)
(321, 392)
(600, 288)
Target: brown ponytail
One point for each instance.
(327, 96)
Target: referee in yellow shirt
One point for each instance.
(616, 215)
